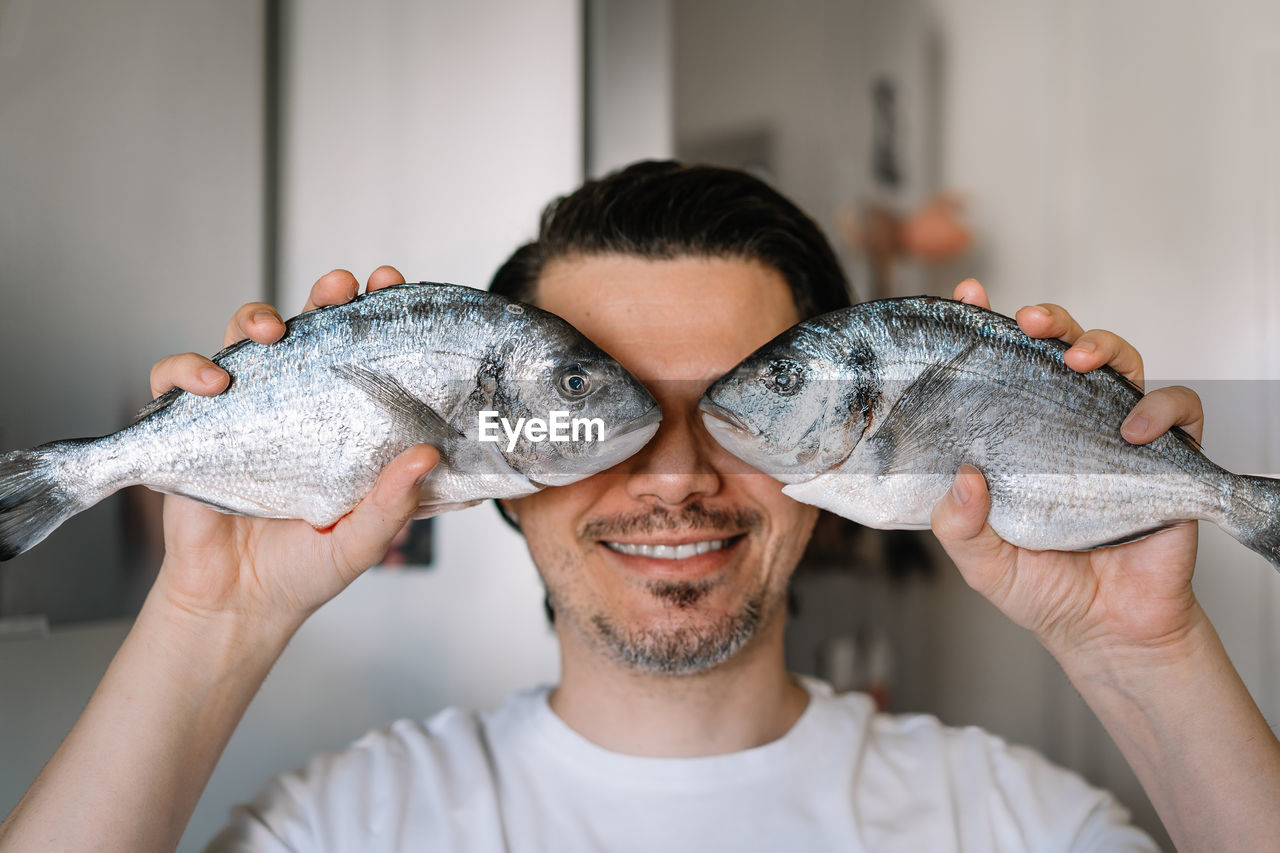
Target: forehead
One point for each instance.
(679, 318)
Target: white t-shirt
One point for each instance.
(843, 778)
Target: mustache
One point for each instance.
(694, 515)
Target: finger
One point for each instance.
(1049, 321)
(1097, 347)
(190, 372)
(959, 521)
(257, 321)
(364, 535)
(384, 276)
(972, 292)
(333, 288)
(1162, 409)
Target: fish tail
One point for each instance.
(1253, 515)
(35, 496)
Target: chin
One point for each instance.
(688, 636)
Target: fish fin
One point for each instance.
(919, 435)
(820, 492)
(410, 412)
(229, 349)
(1132, 537)
(431, 510)
(160, 403)
(33, 500)
(1252, 515)
(248, 507)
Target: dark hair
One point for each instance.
(664, 209)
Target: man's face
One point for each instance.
(619, 550)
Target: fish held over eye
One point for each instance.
(870, 411)
(307, 423)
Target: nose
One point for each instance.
(676, 465)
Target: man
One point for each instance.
(675, 724)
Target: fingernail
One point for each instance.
(210, 375)
(1040, 312)
(264, 317)
(960, 490)
(1135, 424)
(1085, 346)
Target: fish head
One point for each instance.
(794, 408)
(596, 413)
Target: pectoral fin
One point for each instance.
(926, 431)
(413, 415)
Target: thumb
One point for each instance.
(366, 532)
(960, 522)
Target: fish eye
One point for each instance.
(574, 382)
(785, 378)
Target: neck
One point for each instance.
(744, 702)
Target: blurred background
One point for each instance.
(163, 162)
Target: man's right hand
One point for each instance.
(277, 572)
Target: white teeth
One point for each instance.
(668, 552)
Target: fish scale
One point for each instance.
(869, 411)
(307, 423)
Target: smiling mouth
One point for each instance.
(670, 552)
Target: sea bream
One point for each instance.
(307, 423)
(869, 412)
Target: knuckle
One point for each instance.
(1189, 398)
(1063, 322)
(173, 370)
(1103, 338)
(158, 371)
(1153, 401)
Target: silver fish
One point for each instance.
(869, 411)
(307, 423)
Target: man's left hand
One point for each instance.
(1135, 597)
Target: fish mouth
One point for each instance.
(743, 441)
(719, 412)
(622, 443)
(649, 418)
